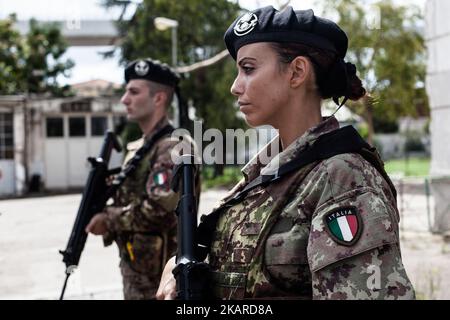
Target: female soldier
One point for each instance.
(320, 219)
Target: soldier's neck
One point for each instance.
(297, 117)
(149, 126)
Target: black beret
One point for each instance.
(152, 70)
(270, 25)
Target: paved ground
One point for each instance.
(33, 230)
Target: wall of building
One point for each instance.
(7, 164)
(57, 162)
(438, 82)
(61, 161)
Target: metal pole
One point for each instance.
(401, 208)
(177, 121)
(174, 47)
(427, 193)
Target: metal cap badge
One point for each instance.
(245, 24)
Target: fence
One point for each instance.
(424, 204)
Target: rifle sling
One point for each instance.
(132, 165)
(340, 141)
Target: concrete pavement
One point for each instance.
(32, 231)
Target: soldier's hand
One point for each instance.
(97, 225)
(109, 180)
(167, 286)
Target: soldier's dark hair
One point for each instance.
(155, 87)
(334, 77)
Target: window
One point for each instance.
(119, 123)
(77, 126)
(6, 136)
(99, 125)
(55, 127)
(76, 106)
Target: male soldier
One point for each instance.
(142, 220)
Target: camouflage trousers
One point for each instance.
(136, 285)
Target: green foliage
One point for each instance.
(32, 63)
(230, 177)
(363, 130)
(202, 24)
(45, 49)
(11, 57)
(390, 57)
(381, 124)
(408, 167)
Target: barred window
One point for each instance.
(55, 127)
(6, 136)
(77, 126)
(99, 125)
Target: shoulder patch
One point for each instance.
(161, 177)
(344, 225)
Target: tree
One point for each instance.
(389, 54)
(45, 49)
(32, 64)
(11, 57)
(202, 24)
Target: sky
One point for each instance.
(89, 64)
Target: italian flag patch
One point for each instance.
(344, 225)
(160, 178)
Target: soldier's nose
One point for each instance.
(237, 87)
(125, 100)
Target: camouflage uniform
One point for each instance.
(145, 226)
(277, 242)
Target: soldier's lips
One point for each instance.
(244, 107)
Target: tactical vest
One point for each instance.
(136, 169)
(238, 268)
(240, 272)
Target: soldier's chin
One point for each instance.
(131, 118)
(252, 121)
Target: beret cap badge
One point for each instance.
(141, 68)
(267, 24)
(151, 70)
(245, 24)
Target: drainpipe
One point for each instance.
(25, 143)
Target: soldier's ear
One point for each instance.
(299, 68)
(160, 98)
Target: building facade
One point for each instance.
(438, 81)
(44, 143)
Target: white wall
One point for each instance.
(438, 83)
(7, 177)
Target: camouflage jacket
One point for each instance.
(330, 231)
(145, 225)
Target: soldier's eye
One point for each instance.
(247, 69)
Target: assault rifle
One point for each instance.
(95, 195)
(191, 275)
